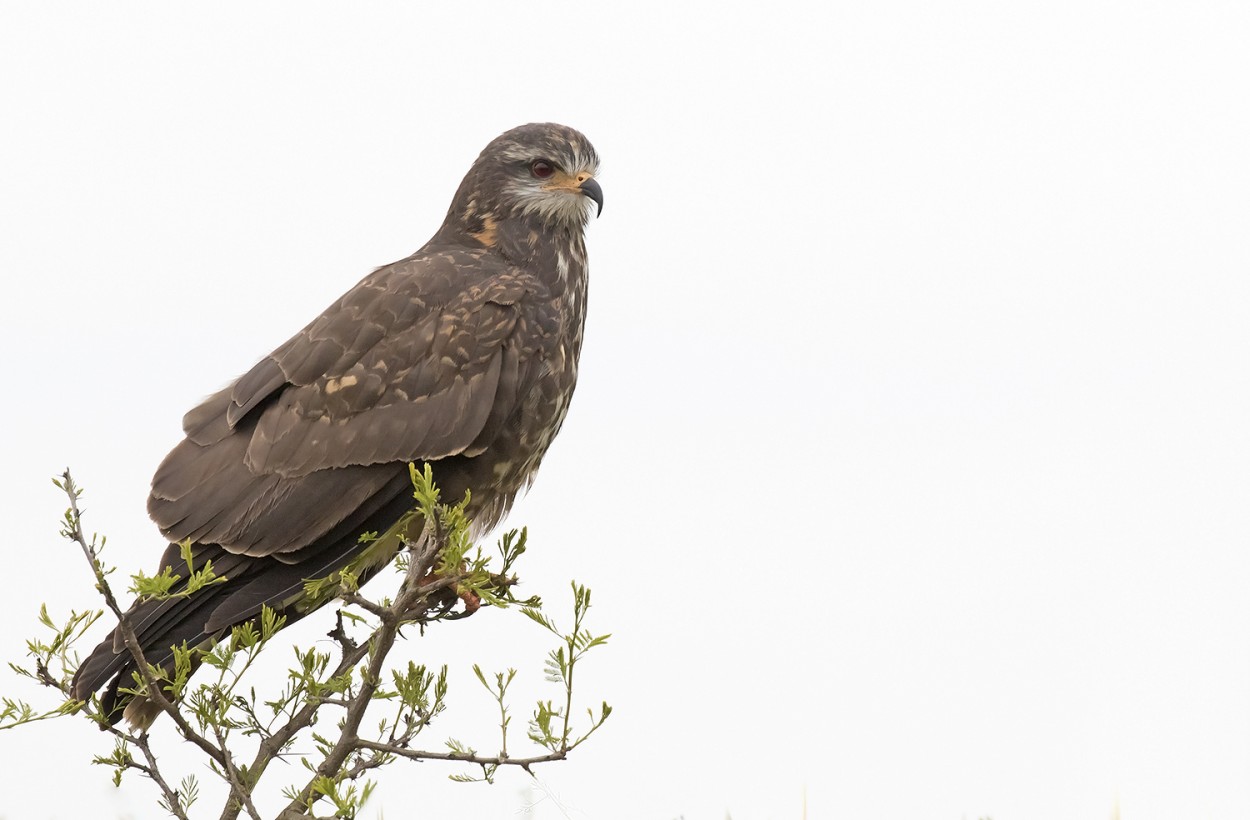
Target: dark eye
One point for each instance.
(542, 169)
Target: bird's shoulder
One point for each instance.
(452, 283)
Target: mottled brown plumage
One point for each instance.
(464, 356)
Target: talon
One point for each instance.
(472, 601)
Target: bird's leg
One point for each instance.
(472, 601)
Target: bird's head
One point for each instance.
(539, 173)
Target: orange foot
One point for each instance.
(472, 601)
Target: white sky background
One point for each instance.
(909, 460)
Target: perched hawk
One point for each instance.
(463, 356)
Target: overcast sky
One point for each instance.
(909, 459)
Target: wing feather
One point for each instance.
(410, 365)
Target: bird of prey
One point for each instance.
(462, 356)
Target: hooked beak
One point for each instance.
(590, 187)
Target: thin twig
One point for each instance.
(154, 774)
(237, 789)
(153, 689)
(480, 760)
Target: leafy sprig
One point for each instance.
(445, 576)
